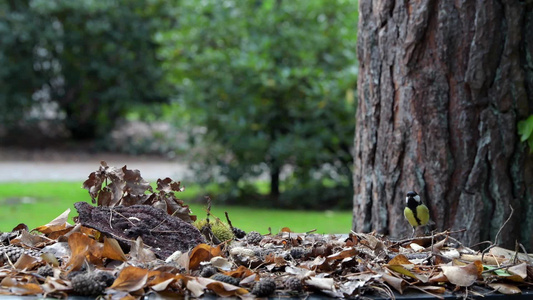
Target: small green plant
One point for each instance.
(525, 130)
(220, 229)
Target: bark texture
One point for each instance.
(442, 85)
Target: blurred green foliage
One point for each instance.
(92, 58)
(525, 130)
(261, 86)
(272, 82)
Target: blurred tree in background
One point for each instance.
(91, 59)
(272, 82)
(263, 88)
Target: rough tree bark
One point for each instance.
(442, 85)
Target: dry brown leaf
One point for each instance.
(139, 253)
(195, 287)
(505, 288)
(79, 245)
(509, 254)
(113, 250)
(439, 277)
(163, 285)
(221, 288)
(130, 279)
(286, 229)
(31, 240)
(519, 270)
(52, 284)
(240, 272)
(58, 224)
(26, 262)
(400, 259)
(199, 254)
(221, 263)
(345, 253)
(463, 275)
(161, 281)
(402, 265)
(327, 284)
(397, 283)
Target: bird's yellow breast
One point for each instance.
(421, 218)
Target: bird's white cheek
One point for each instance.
(417, 198)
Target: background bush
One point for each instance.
(91, 60)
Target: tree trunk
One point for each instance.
(442, 85)
(275, 172)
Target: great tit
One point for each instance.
(416, 213)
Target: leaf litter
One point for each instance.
(137, 242)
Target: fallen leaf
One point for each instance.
(345, 253)
(221, 263)
(26, 262)
(463, 275)
(195, 287)
(139, 253)
(321, 283)
(505, 288)
(397, 283)
(79, 246)
(199, 254)
(221, 288)
(519, 270)
(112, 250)
(58, 224)
(130, 279)
(240, 272)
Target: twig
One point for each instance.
(497, 234)
(504, 223)
(429, 237)
(525, 252)
(229, 221)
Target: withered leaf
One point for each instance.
(505, 288)
(26, 262)
(221, 288)
(397, 283)
(321, 283)
(168, 185)
(58, 224)
(112, 250)
(199, 254)
(463, 275)
(130, 279)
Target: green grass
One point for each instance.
(36, 204)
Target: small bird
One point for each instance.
(416, 213)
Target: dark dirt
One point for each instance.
(163, 233)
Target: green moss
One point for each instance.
(220, 229)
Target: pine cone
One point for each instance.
(254, 237)
(105, 278)
(208, 271)
(14, 253)
(239, 233)
(226, 279)
(264, 287)
(297, 252)
(46, 271)
(86, 285)
(293, 284)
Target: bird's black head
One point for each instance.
(411, 194)
(412, 199)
